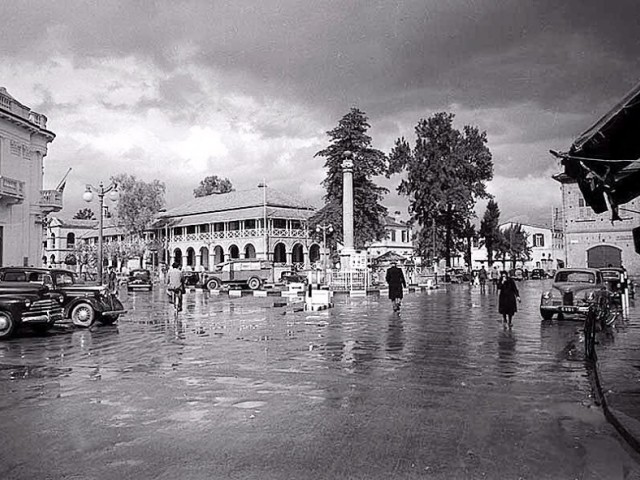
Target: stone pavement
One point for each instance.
(617, 376)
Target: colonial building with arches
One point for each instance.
(261, 223)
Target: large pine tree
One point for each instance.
(489, 229)
(351, 135)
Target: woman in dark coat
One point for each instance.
(396, 281)
(509, 296)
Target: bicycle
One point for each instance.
(176, 299)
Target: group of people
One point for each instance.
(508, 293)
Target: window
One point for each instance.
(191, 229)
(71, 240)
(204, 228)
(581, 202)
(250, 224)
(538, 240)
(393, 235)
(235, 225)
(296, 225)
(405, 236)
(218, 227)
(279, 223)
(177, 231)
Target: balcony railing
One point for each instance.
(50, 200)
(11, 190)
(9, 104)
(248, 233)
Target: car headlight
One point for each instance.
(546, 295)
(591, 297)
(61, 299)
(27, 303)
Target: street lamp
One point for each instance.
(324, 228)
(87, 196)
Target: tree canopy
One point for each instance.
(138, 203)
(85, 214)
(445, 173)
(213, 184)
(351, 135)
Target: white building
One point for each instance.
(397, 240)
(23, 203)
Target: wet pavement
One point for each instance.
(240, 389)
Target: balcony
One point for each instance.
(11, 190)
(50, 201)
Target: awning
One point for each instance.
(604, 160)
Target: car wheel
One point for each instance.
(213, 284)
(7, 325)
(254, 283)
(83, 315)
(546, 315)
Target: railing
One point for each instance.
(249, 233)
(51, 200)
(11, 188)
(351, 280)
(7, 103)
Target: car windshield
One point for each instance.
(575, 277)
(64, 278)
(141, 274)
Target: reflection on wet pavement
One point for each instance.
(439, 388)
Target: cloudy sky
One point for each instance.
(178, 90)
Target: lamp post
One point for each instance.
(324, 228)
(87, 196)
(265, 237)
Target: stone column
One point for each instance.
(347, 212)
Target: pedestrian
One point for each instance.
(495, 276)
(112, 281)
(508, 298)
(396, 281)
(482, 278)
(175, 283)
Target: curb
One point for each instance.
(613, 416)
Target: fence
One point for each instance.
(350, 280)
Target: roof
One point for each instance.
(241, 214)
(604, 160)
(392, 222)
(76, 223)
(390, 256)
(237, 200)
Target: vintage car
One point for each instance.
(83, 303)
(517, 274)
(32, 305)
(574, 291)
(537, 274)
(252, 273)
(616, 280)
(293, 277)
(139, 279)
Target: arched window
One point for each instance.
(297, 254)
(249, 251)
(218, 255)
(177, 256)
(234, 251)
(71, 240)
(280, 253)
(191, 257)
(314, 253)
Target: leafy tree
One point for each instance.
(468, 235)
(123, 250)
(489, 229)
(138, 202)
(445, 174)
(351, 135)
(84, 214)
(213, 184)
(515, 243)
(86, 256)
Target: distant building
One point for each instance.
(546, 245)
(23, 203)
(211, 229)
(397, 240)
(592, 239)
(62, 238)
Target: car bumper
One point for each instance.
(42, 318)
(570, 309)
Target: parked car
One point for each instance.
(453, 275)
(615, 280)
(26, 304)
(574, 291)
(537, 274)
(517, 274)
(82, 303)
(293, 277)
(139, 279)
(250, 273)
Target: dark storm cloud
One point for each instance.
(568, 55)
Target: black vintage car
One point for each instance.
(139, 279)
(82, 303)
(537, 274)
(32, 305)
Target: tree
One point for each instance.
(445, 174)
(213, 184)
(515, 243)
(139, 202)
(468, 236)
(489, 229)
(85, 214)
(351, 135)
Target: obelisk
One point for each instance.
(347, 211)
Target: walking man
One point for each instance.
(495, 276)
(175, 283)
(482, 278)
(396, 281)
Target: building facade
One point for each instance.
(398, 239)
(62, 238)
(259, 223)
(24, 204)
(593, 239)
